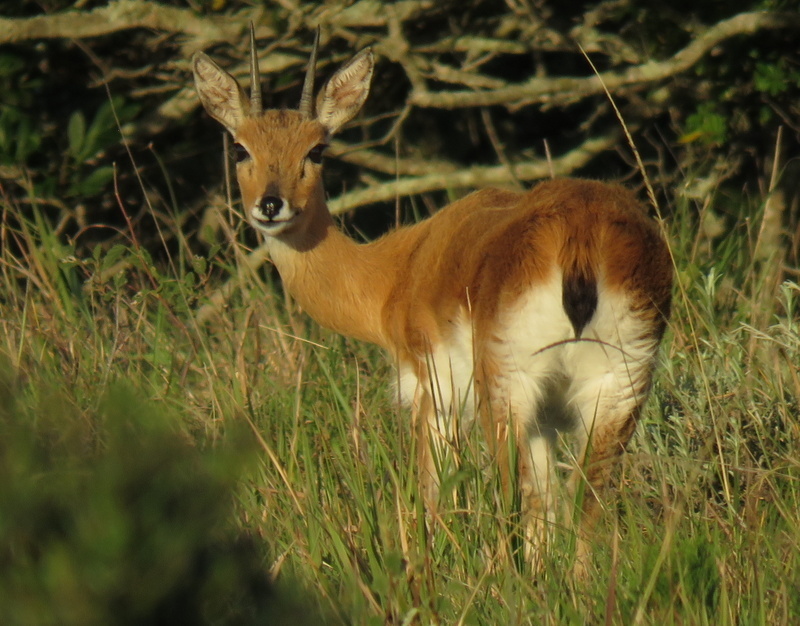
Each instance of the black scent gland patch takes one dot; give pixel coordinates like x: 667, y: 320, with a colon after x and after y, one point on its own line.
x: 579, y: 299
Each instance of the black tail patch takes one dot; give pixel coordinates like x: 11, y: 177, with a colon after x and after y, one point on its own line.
x: 579, y: 298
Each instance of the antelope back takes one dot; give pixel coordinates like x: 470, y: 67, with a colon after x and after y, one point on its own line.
x: 279, y: 152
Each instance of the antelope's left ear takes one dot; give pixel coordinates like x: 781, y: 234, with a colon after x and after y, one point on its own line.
x: 346, y: 92
x: 220, y: 93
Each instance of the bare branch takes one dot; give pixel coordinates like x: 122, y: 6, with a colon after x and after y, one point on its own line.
x: 474, y: 45
x: 380, y: 162
x: 121, y: 15
x: 473, y: 177
x: 372, y: 13
x: 127, y: 14
x: 561, y: 90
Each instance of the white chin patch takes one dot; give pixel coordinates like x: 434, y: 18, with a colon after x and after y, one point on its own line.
x: 272, y: 224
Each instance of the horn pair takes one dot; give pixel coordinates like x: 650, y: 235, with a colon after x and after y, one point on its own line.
x: 306, y: 99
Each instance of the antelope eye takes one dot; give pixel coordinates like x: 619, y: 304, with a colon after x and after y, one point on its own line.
x: 240, y: 153
x: 315, y: 154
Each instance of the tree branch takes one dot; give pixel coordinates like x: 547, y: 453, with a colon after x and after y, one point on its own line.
x: 472, y: 177
x: 372, y: 13
x: 380, y: 162
x: 122, y: 15
x: 564, y: 90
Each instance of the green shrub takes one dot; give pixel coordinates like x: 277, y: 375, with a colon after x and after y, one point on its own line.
x: 117, y: 518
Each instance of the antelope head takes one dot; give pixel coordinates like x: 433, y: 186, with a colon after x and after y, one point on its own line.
x: 279, y: 152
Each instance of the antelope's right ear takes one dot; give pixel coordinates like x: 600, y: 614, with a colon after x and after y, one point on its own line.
x: 219, y: 92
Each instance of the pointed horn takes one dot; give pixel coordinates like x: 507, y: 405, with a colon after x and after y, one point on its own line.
x: 255, y: 78
x: 307, y: 97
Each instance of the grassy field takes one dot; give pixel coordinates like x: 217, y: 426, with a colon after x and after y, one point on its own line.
x: 157, y: 470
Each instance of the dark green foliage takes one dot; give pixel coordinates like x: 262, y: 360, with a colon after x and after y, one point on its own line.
x: 707, y: 124
x: 115, y: 517
x: 87, y: 174
x: 691, y: 571
x: 20, y: 136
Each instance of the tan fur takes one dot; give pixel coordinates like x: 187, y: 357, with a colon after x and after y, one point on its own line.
x: 481, y: 262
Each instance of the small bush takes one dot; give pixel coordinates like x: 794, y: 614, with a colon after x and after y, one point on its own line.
x: 116, y: 518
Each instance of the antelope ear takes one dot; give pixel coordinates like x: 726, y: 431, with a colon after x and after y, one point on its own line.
x: 346, y: 92
x: 219, y: 92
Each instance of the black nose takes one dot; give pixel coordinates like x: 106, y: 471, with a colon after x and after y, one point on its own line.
x: 270, y: 206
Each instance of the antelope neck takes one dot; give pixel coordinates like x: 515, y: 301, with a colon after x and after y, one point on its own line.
x: 340, y: 283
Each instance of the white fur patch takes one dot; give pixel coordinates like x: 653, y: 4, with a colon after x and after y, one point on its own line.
x: 451, y: 367
x: 600, y: 378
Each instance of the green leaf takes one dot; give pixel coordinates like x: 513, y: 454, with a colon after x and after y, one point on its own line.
x: 95, y: 182
x: 774, y: 78
x: 707, y: 124
x: 113, y: 255
x: 101, y: 133
x: 199, y: 264
x: 76, y: 132
x: 10, y: 64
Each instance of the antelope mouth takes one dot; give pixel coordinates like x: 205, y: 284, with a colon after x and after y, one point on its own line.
x: 272, y: 223
x: 272, y: 227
